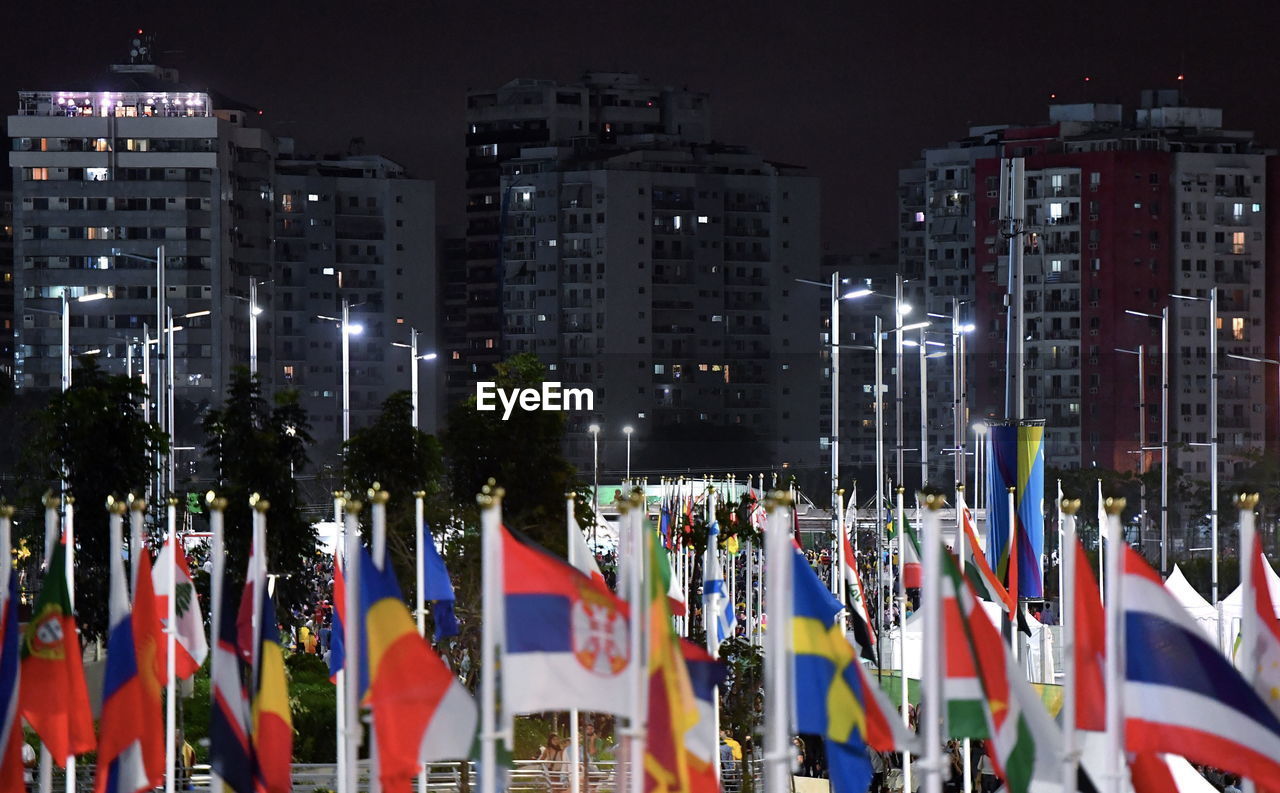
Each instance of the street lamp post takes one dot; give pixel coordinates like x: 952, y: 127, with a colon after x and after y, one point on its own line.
x: 414, y: 357
x: 348, y: 329
x: 627, y: 431
x: 594, y: 429
x: 1142, y: 441
x: 1163, y: 316
x: 1212, y: 300
x: 1274, y: 361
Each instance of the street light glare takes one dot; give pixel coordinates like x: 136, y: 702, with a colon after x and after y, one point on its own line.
x: 430, y: 356
x: 856, y: 293
x: 193, y: 314
x: 91, y: 297
x: 256, y: 310
x: 593, y: 429
x: 627, y: 430
x: 355, y: 330
x: 94, y: 351
x: 904, y: 309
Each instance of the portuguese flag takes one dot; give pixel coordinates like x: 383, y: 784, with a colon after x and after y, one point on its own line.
x: 54, y: 698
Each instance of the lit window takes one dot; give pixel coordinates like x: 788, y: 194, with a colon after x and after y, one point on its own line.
x: 488, y: 344
x: 288, y: 371
x: 457, y: 356
x: 919, y: 217
x: 1055, y: 210
x: 675, y: 222
x: 1237, y: 328
x: 703, y: 219
x: 659, y: 368
x: 1237, y: 242
x: 38, y: 174
x: 95, y: 174
x: 399, y: 320
x: 313, y: 197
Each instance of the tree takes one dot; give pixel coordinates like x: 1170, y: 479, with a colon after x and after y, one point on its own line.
x: 256, y: 448
x: 401, y: 459
x: 96, y: 430
x: 522, y: 454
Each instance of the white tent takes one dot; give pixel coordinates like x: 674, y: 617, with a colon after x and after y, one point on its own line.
x: 1233, y: 604
x: 1199, y: 609
x: 1038, y: 671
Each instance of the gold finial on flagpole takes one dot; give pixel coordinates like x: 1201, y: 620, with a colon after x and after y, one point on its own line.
x: 1070, y: 505
x: 1113, y: 506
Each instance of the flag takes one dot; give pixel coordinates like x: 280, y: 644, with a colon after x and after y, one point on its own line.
x: 1020, y: 736
x: 672, y: 709
x: 421, y: 713
x: 53, y: 698
x: 986, y: 584
x: 438, y: 589
x: 229, y: 755
x: 10, y: 672
x: 337, y: 653
x: 192, y: 647
x: 131, y: 754
x: 701, y: 742
x: 863, y: 629
x: 716, y: 604
x: 565, y: 640
x: 1166, y: 773
x: 1090, y: 647
x: 830, y: 699
x: 580, y: 555
x: 1181, y: 695
x: 1030, y: 508
x: 912, y: 571
x: 272, y: 722
x: 1264, y: 656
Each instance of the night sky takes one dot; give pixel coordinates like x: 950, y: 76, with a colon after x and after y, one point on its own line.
x: 850, y: 90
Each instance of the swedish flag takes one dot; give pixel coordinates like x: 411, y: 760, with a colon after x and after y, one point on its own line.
x: 830, y: 700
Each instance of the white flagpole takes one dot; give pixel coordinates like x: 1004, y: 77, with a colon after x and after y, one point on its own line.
x: 1115, y: 650
x: 632, y: 515
x: 1102, y: 550
x: 778, y: 694
x: 490, y: 500
x: 1246, y: 661
x: 171, y: 650
x: 901, y: 524
x: 378, y: 499
x: 70, y: 567
x: 1067, y: 600
x: 931, y: 683
x: 575, y: 755
x: 217, y: 551
x: 419, y: 599
x: 1015, y: 640
x: 351, y: 660
x: 961, y: 539
x: 711, y: 621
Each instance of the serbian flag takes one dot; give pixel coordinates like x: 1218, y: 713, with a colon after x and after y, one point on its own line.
x: 1180, y: 694
x: 10, y: 672
x: 131, y: 732
x: 565, y: 638
x: 701, y: 742
x: 272, y: 723
x: 1090, y: 647
x: 192, y: 646
x: 421, y: 713
x: 53, y: 697
x: 337, y: 652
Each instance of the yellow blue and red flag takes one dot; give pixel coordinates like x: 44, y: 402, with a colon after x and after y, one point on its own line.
x: 421, y: 713
x: 272, y: 722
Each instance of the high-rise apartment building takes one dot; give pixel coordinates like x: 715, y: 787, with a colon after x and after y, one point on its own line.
x: 107, y: 174
x: 1122, y: 209
x: 353, y: 228
x: 602, y: 106
x: 6, y: 285
x: 663, y: 277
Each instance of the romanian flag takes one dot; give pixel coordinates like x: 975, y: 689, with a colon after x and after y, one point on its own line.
x: 131, y: 740
x: 53, y: 698
x: 272, y: 724
x: 673, y: 710
x: 421, y: 713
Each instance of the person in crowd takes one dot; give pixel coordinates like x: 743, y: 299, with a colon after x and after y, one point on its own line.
x: 552, y: 758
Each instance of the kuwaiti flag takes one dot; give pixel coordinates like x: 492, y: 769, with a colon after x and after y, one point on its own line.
x: 10, y: 673
x: 715, y: 593
x: 421, y: 713
x: 863, y: 630
x: 438, y: 589
x: 1181, y: 695
x: 565, y: 642
x: 130, y: 733
x: 701, y: 742
x: 229, y: 754
x: 272, y: 736
x: 192, y: 646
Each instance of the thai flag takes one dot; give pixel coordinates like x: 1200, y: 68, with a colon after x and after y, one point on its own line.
x: 1181, y: 695
x: 131, y: 735
x: 10, y: 672
x: 715, y: 594
x: 565, y: 640
x: 229, y: 754
x: 701, y: 741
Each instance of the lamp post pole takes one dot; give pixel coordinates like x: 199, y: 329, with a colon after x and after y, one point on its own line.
x: 1212, y: 300
x: 627, y: 431
x: 346, y: 371
x: 253, y: 326
x: 835, y: 404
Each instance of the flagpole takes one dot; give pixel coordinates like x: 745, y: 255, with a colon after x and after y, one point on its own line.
x: 961, y: 506
x: 934, y: 645
x: 1247, y: 661
x: 70, y: 572
x: 216, y: 528
x: 900, y: 527
x: 575, y: 756
x: 171, y: 686
x: 632, y: 515
x: 1115, y: 651
x: 490, y: 501
x: 419, y: 600
x: 1102, y: 534
x: 340, y: 679
x: 351, y: 641
x: 711, y: 620
x: 1067, y: 598
x: 378, y: 499
x: 1012, y: 577
x: 778, y: 695
x: 51, y: 505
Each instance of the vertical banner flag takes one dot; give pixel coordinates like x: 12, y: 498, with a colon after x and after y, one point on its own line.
x: 1002, y: 474
x: 192, y: 647
x: 1030, y: 499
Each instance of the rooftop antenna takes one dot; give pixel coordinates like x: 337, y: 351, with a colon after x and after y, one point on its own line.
x: 141, y: 47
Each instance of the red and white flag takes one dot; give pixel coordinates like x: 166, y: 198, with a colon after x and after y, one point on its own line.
x: 193, y: 646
